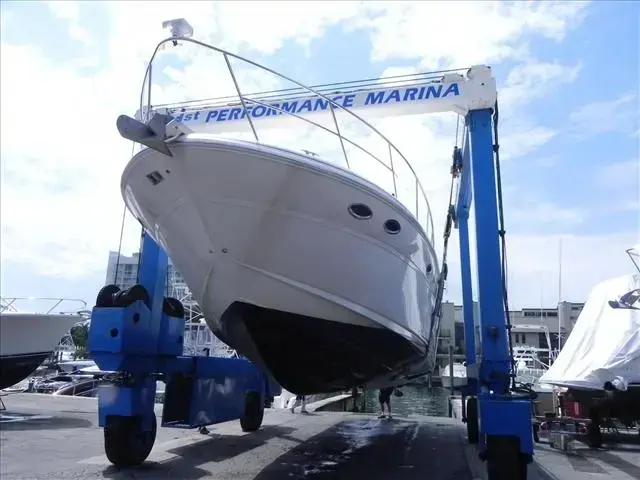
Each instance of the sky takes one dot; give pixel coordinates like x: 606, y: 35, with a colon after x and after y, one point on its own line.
x: 567, y: 74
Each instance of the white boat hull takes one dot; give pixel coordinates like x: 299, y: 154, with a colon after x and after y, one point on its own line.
x: 279, y: 266
x: 26, y: 340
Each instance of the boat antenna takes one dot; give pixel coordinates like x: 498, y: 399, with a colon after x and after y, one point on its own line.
x: 634, y: 252
x: 559, y: 294
x: 178, y: 27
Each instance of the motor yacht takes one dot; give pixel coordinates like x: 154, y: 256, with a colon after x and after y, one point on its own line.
x: 27, y: 338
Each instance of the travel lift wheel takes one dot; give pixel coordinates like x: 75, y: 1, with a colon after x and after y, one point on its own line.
x: 126, y: 442
x: 106, y: 296
x: 112, y: 296
x: 251, y: 419
x: 127, y: 297
x: 173, y: 307
x: 504, y: 459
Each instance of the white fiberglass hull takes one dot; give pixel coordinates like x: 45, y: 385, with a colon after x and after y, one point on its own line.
x: 26, y: 339
x: 279, y: 266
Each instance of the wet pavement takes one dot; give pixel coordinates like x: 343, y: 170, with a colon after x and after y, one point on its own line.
x: 374, y: 449
x: 47, y: 437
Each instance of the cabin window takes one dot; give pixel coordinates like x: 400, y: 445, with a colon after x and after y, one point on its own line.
x: 360, y: 211
x: 392, y: 226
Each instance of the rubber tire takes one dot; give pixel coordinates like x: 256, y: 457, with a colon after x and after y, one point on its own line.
x: 473, y: 430
x: 173, y: 307
x: 128, y: 297
x: 504, y: 460
x: 251, y: 420
x: 105, y: 297
x: 125, y: 444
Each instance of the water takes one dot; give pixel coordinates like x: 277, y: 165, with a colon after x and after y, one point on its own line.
x: 419, y: 400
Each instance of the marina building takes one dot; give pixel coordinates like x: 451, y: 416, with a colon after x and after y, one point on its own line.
x: 541, y: 328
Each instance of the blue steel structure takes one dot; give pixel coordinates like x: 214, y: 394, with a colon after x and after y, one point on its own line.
x: 138, y: 335
x: 498, y: 418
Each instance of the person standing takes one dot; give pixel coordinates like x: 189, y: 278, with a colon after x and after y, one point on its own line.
x: 301, y: 399
x: 384, y: 397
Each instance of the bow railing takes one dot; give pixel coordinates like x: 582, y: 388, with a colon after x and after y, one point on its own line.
x: 408, y: 189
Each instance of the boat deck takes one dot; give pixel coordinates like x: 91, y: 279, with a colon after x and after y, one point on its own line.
x: 48, y: 437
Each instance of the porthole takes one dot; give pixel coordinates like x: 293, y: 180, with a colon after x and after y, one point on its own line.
x: 360, y: 211
x: 429, y: 268
x: 392, y: 226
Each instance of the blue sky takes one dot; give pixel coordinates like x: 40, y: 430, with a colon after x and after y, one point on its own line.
x: 568, y: 84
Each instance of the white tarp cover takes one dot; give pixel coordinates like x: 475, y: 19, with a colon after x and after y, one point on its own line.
x: 604, y: 345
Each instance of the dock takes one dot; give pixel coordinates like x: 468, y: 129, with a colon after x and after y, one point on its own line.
x: 57, y: 437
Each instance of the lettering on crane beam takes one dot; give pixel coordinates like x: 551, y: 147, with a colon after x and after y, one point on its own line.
x: 301, y: 106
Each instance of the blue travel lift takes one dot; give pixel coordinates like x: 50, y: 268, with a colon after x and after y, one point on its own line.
x: 498, y: 415
x: 138, y: 334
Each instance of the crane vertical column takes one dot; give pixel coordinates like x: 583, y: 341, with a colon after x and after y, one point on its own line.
x: 506, y: 435
x: 462, y: 223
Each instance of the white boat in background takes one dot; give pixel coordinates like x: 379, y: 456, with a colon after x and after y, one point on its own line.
x: 28, y: 338
x: 289, y: 254
x: 603, y: 349
x: 70, y: 366
x: 459, y: 375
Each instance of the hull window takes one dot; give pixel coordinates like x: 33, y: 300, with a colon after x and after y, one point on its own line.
x: 360, y: 211
x: 392, y: 226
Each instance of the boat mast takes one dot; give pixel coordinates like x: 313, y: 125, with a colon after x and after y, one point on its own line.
x: 559, y: 294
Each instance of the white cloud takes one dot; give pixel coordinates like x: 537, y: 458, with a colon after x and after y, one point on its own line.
x: 620, y: 174
x: 534, y: 260
x: 70, y: 12
x: 619, y: 114
x: 272, y: 23
x: 543, y: 214
x: 66, y: 10
x: 521, y: 139
x: 532, y: 80
x: 456, y: 35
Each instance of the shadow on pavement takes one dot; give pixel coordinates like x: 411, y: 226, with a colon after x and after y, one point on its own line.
x: 216, y: 448
x: 28, y: 421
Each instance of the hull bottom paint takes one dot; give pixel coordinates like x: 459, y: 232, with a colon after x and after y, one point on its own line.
x: 310, y: 355
x: 15, y: 368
